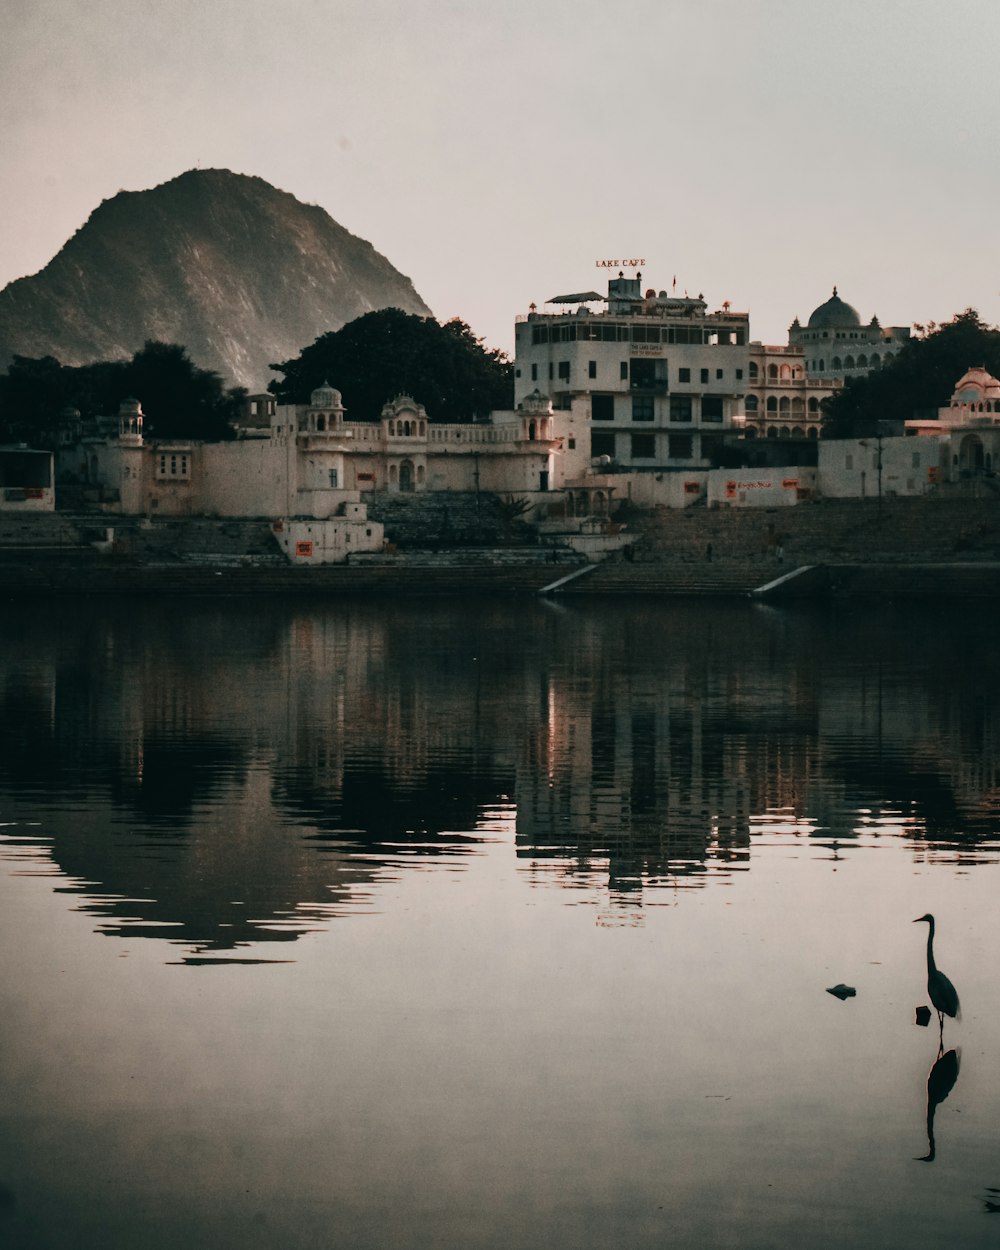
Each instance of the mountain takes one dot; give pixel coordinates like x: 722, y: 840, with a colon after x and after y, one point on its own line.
x: 240, y: 273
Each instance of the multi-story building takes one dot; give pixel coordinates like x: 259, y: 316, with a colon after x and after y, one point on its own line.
x: 782, y: 400
x: 837, y: 346
x: 662, y: 376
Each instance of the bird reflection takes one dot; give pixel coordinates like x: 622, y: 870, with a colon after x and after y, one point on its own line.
x: 942, y: 993
x: 991, y: 1204
x: 940, y: 1082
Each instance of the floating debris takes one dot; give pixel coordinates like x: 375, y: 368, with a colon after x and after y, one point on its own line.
x: 923, y: 1016
x: 842, y: 991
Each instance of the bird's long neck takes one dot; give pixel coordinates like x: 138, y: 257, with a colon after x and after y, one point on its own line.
x: 931, y: 966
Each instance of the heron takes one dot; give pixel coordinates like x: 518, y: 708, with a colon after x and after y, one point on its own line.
x: 942, y: 993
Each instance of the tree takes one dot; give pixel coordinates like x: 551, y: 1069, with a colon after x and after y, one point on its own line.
x: 921, y: 376
x: 388, y: 353
x: 179, y: 399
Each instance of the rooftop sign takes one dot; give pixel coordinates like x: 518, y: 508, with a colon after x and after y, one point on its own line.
x: 619, y: 264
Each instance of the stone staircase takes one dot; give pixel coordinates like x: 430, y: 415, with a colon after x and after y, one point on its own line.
x: 193, y: 540
x: 435, y: 520
x: 831, y: 531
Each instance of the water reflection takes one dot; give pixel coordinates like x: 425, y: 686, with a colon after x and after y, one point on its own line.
x: 226, y: 774
x: 940, y: 1082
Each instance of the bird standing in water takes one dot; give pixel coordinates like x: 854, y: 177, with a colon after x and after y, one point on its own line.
x: 942, y: 993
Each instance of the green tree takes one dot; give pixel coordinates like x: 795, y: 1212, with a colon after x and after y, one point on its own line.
x: 178, y: 399
x: 388, y: 353
x: 921, y: 376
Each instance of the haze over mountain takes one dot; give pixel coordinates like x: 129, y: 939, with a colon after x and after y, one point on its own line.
x: 240, y: 273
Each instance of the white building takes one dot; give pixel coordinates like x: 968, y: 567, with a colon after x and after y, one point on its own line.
x: 971, y: 422
x: 782, y: 400
x: 660, y: 379
x: 309, y: 461
x: 837, y: 346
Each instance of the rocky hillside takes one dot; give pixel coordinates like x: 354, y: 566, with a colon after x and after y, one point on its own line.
x: 240, y: 273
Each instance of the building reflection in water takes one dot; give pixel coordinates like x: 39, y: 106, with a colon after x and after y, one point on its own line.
x: 224, y: 774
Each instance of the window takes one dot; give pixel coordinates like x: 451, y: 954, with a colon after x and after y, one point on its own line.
x: 916, y: 460
x: 643, y: 446
x: 550, y: 370
x: 602, y: 407
x: 591, y: 368
x: 848, y: 462
x: 572, y: 444
x: 173, y: 464
x: 711, y: 408
x: 333, y: 478
x: 718, y: 375
x: 624, y: 371
x: 739, y: 375
x: 534, y: 373
x: 642, y: 407
x: 564, y: 370
x: 704, y: 375
x: 681, y: 446
x: 751, y: 403
x: 680, y: 407
x: 753, y: 371
x: 602, y: 443
x: 683, y: 375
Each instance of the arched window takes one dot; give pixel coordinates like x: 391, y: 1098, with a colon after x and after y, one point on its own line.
x: 848, y: 362
x: 798, y: 432
x: 772, y: 432
x: 835, y: 363
x: 783, y: 404
x: 321, y: 423
x: 751, y: 404
x: 750, y: 432
x: 772, y: 404
x: 813, y: 432
x: 753, y: 371
x: 822, y: 366
x: 783, y: 432
x: 785, y: 372
x: 862, y: 361
x: 875, y: 362
x: 813, y: 404
x: 531, y: 431
x: 772, y: 371
x: 798, y: 404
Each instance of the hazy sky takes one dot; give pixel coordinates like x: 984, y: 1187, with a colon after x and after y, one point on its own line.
x: 759, y: 151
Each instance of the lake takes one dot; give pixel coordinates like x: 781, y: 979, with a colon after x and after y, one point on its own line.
x: 430, y: 924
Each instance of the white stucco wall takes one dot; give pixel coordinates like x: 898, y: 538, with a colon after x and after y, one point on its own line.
x: 848, y: 467
x: 311, y: 542
x: 760, y: 488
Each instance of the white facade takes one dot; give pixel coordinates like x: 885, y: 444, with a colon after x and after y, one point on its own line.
x: 837, y: 346
x: 309, y: 542
x: 311, y: 461
x: 661, y: 378
x: 867, y: 468
x: 781, y: 400
x: 761, y: 488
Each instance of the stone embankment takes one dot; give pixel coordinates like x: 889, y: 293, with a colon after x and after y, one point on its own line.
x: 926, y: 547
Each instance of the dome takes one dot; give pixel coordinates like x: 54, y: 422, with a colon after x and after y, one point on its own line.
x: 975, y: 385
x: 834, y: 315
x: 325, y: 396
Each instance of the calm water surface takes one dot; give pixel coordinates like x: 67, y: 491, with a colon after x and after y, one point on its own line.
x: 430, y: 925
